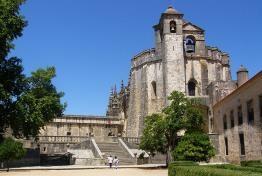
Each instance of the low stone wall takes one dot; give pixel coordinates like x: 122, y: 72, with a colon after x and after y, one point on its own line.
x: 56, y: 159
x: 31, y: 158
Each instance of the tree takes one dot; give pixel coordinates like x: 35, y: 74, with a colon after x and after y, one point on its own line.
x: 12, y: 80
x: 181, y: 115
x: 153, y: 135
x: 38, y: 104
x: 11, y: 25
x: 194, y: 146
x: 11, y: 150
x: 26, y: 104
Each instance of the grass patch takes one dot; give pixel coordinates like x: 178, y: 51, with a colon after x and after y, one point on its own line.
x: 253, y: 163
x: 217, y: 170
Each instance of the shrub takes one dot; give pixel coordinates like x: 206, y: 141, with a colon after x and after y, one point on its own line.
x: 184, y: 163
x: 206, y: 171
x: 252, y: 163
x: 237, y: 168
x: 142, y: 155
x: 11, y: 150
x: 194, y: 146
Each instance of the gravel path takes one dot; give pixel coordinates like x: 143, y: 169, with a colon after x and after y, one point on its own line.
x: 90, y: 172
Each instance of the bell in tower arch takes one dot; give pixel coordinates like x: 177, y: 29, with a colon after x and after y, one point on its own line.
x: 172, y: 27
x: 190, y: 44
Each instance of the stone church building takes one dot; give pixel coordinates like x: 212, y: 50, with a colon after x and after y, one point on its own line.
x: 181, y: 60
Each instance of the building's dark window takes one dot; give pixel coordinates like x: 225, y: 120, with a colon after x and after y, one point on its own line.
x: 242, y: 144
x: 250, y: 112
x: 190, y: 44
x: 232, y: 119
x: 68, y: 133
x: 240, y: 115
x: 154, y: 88
x: 225, y: 121
x: 260, y: 106
x: 226, y: 145
x: 191, y: 88
x: 172, y: 26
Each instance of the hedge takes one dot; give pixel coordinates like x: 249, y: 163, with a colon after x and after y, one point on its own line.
x: 206, y: 171
x: 252, y: 163
x: 184, y: 163
x: 238, y: 168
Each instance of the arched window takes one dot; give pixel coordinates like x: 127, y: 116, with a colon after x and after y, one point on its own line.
x: 172, y: 26
x: 225, y: 121
x: 190, y: 44
x: 154, y: 89
x: 191, y: 88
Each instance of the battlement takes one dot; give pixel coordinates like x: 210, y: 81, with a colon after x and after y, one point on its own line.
x: 143, y: 58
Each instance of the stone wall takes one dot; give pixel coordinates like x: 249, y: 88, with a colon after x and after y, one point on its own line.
x: 83, y: 126
x: 146, y: 69
x: 252, y: 131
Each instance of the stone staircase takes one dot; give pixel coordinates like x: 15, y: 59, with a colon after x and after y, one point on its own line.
x: 114, y: 149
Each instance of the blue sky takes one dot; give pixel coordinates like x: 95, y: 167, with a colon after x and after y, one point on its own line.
x: 91, y: 42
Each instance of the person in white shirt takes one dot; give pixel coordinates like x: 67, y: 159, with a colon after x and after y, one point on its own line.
x: 110, y: 161
x: 116, y: 162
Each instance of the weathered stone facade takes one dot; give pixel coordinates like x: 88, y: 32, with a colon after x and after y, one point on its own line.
x: 89, y: 126
x: 180, y: 61
x: 238, y: 122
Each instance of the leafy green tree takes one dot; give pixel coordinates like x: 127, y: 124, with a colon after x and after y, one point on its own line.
x: 11, y: 25
x: 26, y: 104
x: 11, y: 150
x: 182, y: 114
x: 39, y: 104
x: 153, y: 135
x: 194, y: 146
x: 12, y: 80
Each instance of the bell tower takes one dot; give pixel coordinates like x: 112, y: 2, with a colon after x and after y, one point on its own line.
x: 170, y: 30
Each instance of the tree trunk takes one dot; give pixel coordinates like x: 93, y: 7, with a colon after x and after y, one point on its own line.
x: 7, y: 166
x: 169, y: 155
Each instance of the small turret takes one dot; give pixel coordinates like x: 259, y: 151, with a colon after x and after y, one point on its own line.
x: 242, y: 75
x: 122, y: 86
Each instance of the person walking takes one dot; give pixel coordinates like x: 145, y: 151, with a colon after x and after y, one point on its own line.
x: 116, y: 162
x: 110, y: 161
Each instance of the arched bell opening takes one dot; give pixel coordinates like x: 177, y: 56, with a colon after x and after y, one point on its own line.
x: 172, y: 27
x: 190, y: 44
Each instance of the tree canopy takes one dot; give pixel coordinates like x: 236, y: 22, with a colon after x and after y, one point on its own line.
x: 26, y: 103
x: 38, y: 104
x: 161, y: 132
x: 153, y: 135
x: 11, y: 25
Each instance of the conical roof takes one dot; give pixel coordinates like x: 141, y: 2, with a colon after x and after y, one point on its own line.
x: 242, y: 69
x: 171, y: 10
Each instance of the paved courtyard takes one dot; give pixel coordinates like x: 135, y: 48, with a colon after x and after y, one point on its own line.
x: 89, y: 172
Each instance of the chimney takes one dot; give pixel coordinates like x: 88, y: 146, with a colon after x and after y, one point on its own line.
x: 242, y: 75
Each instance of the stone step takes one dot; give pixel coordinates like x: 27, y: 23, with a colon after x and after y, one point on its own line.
x: 113, y: 149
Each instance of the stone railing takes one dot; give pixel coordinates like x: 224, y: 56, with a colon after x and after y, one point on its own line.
x: 125, y: 147
x: 95, y: 149
x: 203, y: 100
x: 62, y: 139
x: 132, y: 140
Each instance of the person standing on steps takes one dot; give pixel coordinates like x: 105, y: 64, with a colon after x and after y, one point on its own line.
x: 110, y: 161
x: 116, y: 162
